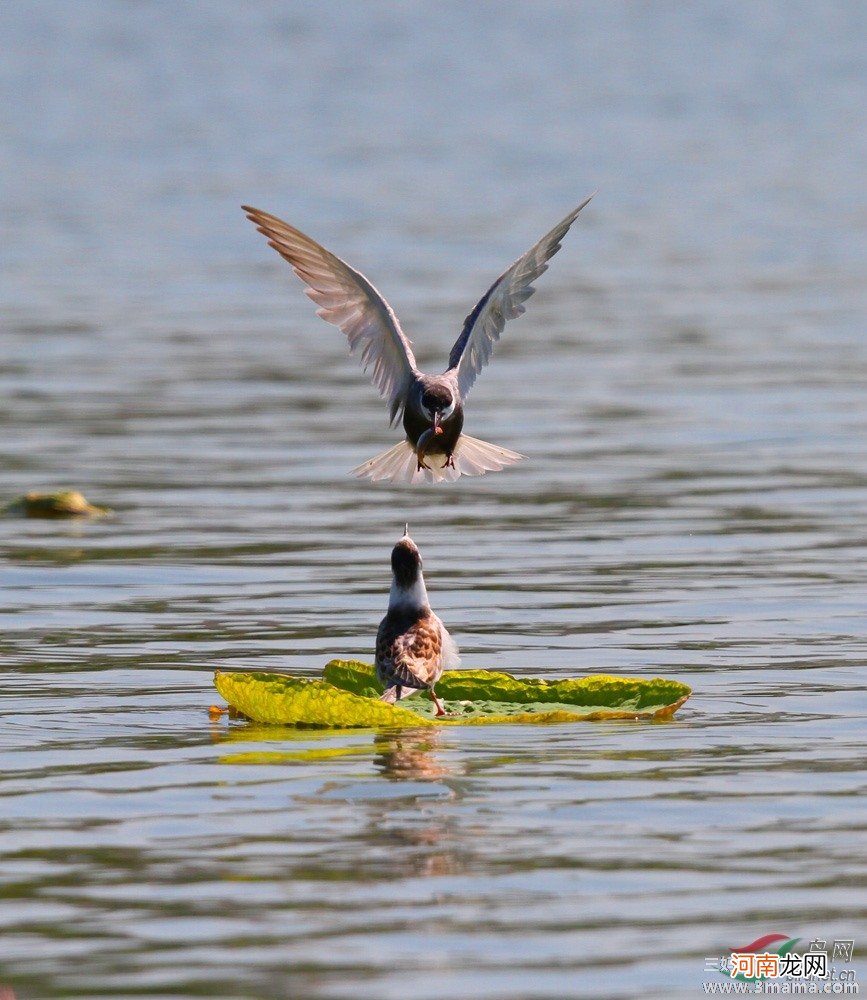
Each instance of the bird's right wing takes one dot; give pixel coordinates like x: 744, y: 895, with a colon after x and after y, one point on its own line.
x: 503, y: 301
x: 348, y: 300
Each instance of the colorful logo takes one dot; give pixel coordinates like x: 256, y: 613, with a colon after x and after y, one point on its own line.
x: 774, y: 955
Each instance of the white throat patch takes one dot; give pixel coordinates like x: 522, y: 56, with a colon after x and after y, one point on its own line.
x: 412, y: 598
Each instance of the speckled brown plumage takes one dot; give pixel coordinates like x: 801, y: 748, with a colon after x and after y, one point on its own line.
x: 409, y: 650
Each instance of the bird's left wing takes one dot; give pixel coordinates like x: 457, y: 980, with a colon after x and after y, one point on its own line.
x: 349, y: 301
x: 503, y: 301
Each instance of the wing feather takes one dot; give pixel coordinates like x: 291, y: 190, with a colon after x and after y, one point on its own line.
x: 503, y: 301
x: 401, y: 672
x: 349, y: 301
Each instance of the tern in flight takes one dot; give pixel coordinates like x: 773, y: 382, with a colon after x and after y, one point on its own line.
x: 432, y: 406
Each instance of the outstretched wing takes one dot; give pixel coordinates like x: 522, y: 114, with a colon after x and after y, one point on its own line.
x: 503, y: 301
x: 348, y: 300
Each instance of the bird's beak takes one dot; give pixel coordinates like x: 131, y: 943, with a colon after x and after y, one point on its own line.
x: 436, y: 422
x: 406, y: 530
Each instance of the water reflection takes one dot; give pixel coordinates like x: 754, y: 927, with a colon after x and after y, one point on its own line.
x: 428, y: 843
x: 411, y: 754
x: 688, y: 386
x: 400, y: 755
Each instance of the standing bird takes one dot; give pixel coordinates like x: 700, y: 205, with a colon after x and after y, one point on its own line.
x: 413, y: 647
x: 432, y: 405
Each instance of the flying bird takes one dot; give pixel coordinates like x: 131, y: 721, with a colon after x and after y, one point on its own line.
x: 432, y: 406
x: 413, y: 647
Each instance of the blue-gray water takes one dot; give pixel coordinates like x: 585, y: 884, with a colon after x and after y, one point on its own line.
x: 688, y: 385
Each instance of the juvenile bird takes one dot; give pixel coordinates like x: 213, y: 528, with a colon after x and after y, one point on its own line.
x: 413, y: 647
x: 432, y: 406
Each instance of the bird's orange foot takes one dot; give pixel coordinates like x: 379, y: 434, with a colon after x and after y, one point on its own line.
x: 440, y: 707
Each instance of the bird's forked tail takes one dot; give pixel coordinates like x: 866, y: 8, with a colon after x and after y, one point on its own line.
x: 472, y: 457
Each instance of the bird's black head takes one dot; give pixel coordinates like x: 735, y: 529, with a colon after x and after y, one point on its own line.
x: 405, y: 563
x: 438, y: 403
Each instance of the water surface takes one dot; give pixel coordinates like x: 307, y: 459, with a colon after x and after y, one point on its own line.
x: 688, y: 386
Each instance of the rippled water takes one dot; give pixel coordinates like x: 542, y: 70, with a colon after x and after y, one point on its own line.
x: 688, y: 386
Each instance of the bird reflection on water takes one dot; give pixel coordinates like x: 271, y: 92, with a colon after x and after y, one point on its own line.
x: 417, y: 755
x: 411, y: 754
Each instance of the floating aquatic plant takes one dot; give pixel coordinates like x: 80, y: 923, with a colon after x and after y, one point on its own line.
x: 348, y: 696
x: 62, y: 503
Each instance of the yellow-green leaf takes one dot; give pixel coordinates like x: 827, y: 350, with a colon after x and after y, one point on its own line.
x: 62, y: 503
x: 285, y: 700
x: 348, y: 697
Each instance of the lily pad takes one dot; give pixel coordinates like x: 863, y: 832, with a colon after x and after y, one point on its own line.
x: 283, y: 700
x: 63, y: 503
x: 348, y: 696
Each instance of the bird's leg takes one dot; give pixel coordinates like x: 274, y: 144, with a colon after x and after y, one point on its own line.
x: 450, y: 462
x: 420, y: 463
x: 440, y: 709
